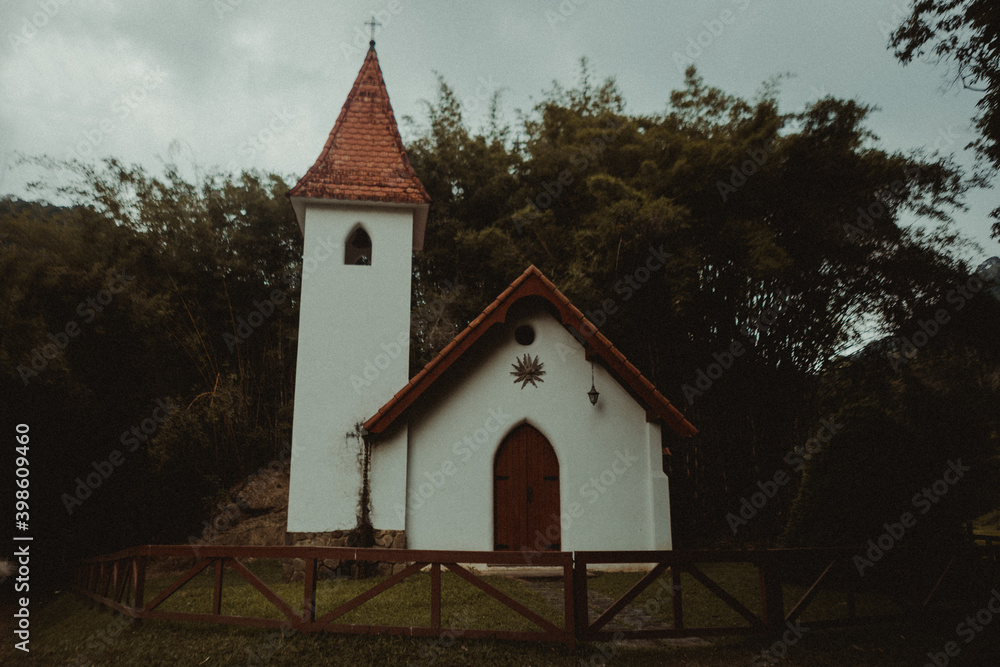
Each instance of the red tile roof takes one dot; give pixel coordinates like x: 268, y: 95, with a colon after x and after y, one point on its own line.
x: 533, y: 283
x: 364, y: 158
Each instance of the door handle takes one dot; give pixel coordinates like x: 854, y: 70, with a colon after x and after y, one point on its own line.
x: 529, y: 494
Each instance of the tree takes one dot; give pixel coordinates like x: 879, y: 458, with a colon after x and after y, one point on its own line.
x: 917, y: 454
x: 966, y: 32
x: 155, y: 318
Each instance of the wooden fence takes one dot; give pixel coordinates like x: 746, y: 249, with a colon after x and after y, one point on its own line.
x: 815, y: 569
x: 118, y: 581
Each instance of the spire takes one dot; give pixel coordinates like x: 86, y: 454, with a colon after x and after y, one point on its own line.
x: 364, y: 158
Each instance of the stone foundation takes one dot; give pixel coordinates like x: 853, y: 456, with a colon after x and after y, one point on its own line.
x: 294, y: 569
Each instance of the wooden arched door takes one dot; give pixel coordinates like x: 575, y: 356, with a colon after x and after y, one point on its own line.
x: 526, y: 493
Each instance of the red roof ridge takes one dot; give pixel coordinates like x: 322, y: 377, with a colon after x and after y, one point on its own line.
x: 364, y: 158
x: 534, y: 282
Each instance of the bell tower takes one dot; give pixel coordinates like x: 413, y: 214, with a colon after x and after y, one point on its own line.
x: 362, y: 211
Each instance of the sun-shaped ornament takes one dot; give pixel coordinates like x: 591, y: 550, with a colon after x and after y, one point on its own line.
x: 528, y: 370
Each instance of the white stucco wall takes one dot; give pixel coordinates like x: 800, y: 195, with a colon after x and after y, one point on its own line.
x: 613, y: 493
x: 353, y: 355
x: 388, y: 480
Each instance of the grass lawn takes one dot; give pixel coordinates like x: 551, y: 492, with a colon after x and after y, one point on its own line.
x: 406, y: 603
x: 67, y: 631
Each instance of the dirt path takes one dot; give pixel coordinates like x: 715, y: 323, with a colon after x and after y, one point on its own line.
x: 631, y: 617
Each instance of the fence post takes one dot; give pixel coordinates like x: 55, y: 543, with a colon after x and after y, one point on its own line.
x: 309, y: 595
x: 569, y: 602
x: 105, y: 581
x: 675, y: 586
x: 581, y: 616
x: 436, y: 596
x: 117, y: 578
x: 139, y: 585
x: 91, y: 585
x: 217, y: 588
x: 772, y: 598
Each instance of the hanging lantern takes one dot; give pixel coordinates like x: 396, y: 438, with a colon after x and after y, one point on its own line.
x: 593, y: 394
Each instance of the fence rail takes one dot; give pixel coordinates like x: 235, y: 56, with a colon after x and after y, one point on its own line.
x: 118, y: 581
x: 825, y: 567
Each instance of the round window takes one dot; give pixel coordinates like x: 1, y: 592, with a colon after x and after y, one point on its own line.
x: 524, y: 335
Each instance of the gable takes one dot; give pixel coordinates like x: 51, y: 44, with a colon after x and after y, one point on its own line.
x: 597, y: 347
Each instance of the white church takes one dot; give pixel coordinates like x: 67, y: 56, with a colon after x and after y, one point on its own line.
x: 529, y: 431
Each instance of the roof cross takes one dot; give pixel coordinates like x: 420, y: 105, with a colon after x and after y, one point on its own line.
x: 373, y: 23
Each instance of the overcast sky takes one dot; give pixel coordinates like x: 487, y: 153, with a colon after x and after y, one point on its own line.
x: 248, y: 83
